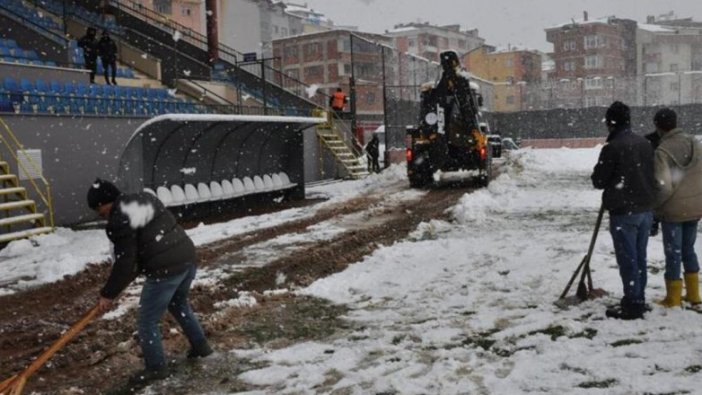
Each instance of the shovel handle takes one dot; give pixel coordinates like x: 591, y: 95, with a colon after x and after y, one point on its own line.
x: 16, y: 383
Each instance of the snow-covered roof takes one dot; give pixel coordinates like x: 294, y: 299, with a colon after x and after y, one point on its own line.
x: 602, y: 20
x: 655, y: 28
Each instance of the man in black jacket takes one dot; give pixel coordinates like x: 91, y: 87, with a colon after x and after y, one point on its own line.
x: 147, y: 240
x: 90, y: 51
x: 107, y: 49
x: 625, y: 171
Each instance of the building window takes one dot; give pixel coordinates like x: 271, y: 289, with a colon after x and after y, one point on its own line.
x: 293, y: 73
x: 591, y: 42
x: 185, y: 11
x: 411, y: 43
x: 290, y: 52
x: 347, y: 69
x: 312, y: 49
x: 314, y: 72
x: 509, y: 63
x: 276, y: 29
x: 566, y: 45
x: 163, y: 6
x: 572, y: 45
x: 370, y: 97
x: 593, y: 83
x: 593, y: 62
x: 510, y: 99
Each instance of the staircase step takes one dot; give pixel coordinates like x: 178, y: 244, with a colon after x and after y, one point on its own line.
x: 20, y: 218
x: 4, y: 238
x: 8, y: 191
x: 17, y: 204
x: 4, y: 166
x: 8, y: 177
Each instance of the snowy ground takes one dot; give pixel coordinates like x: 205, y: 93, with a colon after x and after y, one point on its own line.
x: 467, y: 307
x: 461, y: 307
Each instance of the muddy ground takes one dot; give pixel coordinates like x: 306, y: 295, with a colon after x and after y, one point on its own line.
x: 100, y: 359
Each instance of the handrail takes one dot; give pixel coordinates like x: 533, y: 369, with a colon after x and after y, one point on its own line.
x: 58, y: 38
x: 18, y: 146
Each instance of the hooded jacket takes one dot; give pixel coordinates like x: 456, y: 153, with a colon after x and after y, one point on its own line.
x: 625, y: 171
x: 678, y: 173
x: 147, y: 239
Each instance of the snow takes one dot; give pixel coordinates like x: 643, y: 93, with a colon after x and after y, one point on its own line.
x: 139, y: 214
x: 311, y: 90
x: 463, y: 306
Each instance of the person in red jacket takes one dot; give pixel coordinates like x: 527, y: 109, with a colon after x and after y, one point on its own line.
x: 338, y: 101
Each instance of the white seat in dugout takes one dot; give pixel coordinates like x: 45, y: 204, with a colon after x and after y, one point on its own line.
x: 268, y: 182
x: 227, y: 189
x: 177, y: 194
x: 277, y: 181
x: 204, y: 191
x: 286, y: 180
x: 249, y: 185
x: 216, y: 191
x: 164, y: 195
x: 151, y: 191
x: 258, y: 184
x: 191, y: 195
x: 239, y: 188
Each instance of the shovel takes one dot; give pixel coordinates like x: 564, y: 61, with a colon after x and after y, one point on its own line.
x: 585, y: 288
x: 15, y: 384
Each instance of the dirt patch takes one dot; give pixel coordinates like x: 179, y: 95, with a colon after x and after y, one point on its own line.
x: 33, y: 319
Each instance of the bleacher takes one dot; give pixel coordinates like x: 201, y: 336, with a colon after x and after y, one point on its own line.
x: 33, y: 15
x: 93, y: 18
x: 68, y: 98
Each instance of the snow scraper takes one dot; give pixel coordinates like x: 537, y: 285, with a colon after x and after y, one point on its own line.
x: 585, y: 288
x: 15, y: 384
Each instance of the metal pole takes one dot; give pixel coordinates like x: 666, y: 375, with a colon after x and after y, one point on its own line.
x: 386, y: 162
x: 680, y: 88
x: 352, y: 89
x: 65, y: 27
x: 263, y: 78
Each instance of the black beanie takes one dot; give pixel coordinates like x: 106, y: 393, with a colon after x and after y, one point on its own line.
x: 618, y: 115
x: 666, y: 119
x: 101, y: 192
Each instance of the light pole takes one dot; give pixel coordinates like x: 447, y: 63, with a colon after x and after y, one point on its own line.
x: 352, y: 88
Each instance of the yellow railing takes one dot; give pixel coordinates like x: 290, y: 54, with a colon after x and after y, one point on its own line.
x: 13, y: 145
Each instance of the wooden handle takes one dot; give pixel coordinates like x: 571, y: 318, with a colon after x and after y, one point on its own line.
x: 17, y: 382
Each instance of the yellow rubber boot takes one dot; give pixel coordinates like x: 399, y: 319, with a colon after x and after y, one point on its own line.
x: 692, y: 288
x: 673, y: 297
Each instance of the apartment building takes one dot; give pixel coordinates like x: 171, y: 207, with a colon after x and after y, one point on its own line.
x: 428, y: 41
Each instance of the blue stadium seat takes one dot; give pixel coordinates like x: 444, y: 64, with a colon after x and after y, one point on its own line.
x: 10, y: 84
x: 68, y: 88
x: 50, y: 63
x: 55, y: 87
x: 4, y: 51
x: 41, y: 86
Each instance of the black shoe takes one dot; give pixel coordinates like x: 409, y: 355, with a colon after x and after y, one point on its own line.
x: 143, y: 377
x: 114, y: 82
x: 200, y: 351
x: 624, y: 314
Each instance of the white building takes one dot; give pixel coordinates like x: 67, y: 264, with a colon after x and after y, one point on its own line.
x: 428, y: 41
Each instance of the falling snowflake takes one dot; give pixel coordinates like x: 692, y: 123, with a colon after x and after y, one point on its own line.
x: 177, y: 36
x: 312, y: 90
x: 187, y: 73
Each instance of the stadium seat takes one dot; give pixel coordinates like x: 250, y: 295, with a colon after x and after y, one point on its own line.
x: 204, y: 191
x: 239, y: 188
x: 191, y: 195
x: 227, y: 189
x: 258, y: 184
x: 268, y: 183
x: 249, y: 185
x: 177, y: 194
x: 216, y: 190
x: 164, y: 195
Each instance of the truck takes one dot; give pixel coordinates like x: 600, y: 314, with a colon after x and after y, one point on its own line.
x: 448, y: 137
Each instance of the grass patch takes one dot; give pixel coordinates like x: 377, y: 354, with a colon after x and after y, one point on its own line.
x: 598, y: 384
x: 554, y: 331
x: 693, y: 368
x: 626, y: 342
x: 588, y: 333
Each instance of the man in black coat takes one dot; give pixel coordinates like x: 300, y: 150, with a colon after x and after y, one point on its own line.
x: 108, y: 54
x: 373, y: 153
x: 90, y: 51
x: 625, y: 171
x: 147, y: 240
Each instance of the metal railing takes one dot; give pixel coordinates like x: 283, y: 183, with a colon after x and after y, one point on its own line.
x: 13, y: 146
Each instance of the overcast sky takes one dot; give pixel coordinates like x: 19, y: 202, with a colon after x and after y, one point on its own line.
x: 501, y: 22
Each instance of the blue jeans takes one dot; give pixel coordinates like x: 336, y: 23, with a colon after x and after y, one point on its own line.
x: 679, y: 246
x: 157, y: 296
x: 630, y: 236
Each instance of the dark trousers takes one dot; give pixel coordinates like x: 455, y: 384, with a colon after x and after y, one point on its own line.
x: 108, y: 64
x: 630, y: 236
x: 91, y: 64
x: 679, y: 246
x: 157, y: 296
x: 373, y: 165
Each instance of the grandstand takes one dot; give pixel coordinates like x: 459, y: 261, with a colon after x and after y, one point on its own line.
x: 59, y: 131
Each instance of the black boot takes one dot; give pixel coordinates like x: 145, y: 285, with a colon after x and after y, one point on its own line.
x: 627, y: 311
x: 200, y: 351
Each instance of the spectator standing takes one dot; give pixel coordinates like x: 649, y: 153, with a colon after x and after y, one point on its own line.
x: 625, y: 171
x: 108, y: 54
x: 89, y: 45
x: 373, y: 154
x: 147, y: 240
x: 678, y: 172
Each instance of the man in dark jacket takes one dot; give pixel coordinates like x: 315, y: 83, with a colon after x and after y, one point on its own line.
x: 625, y: 171
x: 108, y: 54
x: 147, y: 240
x: 90, y: 51
x: 372, y: 150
